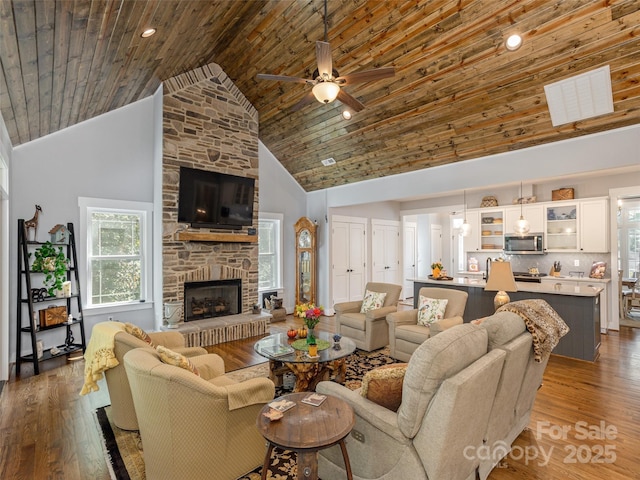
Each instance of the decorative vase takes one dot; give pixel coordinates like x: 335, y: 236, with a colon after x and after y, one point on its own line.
x: 311, y: 338
x: 436, y: 273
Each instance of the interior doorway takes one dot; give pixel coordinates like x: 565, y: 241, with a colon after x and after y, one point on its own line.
x: 628, y: 247
x: 618, y: 197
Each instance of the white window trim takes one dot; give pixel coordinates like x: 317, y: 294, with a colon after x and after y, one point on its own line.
x: 276, y: 216
x: 86, y: 203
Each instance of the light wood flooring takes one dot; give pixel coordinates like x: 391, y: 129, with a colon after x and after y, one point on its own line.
x: 47, y: 431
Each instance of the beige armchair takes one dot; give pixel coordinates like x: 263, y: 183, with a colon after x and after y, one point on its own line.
x: 447, y: 395
x: 405, y: 335
x: 122, y: 409
x: 195, y: 428
x: 368, y: 330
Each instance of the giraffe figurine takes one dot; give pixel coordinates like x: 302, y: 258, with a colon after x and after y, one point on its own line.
x: 33, y: 223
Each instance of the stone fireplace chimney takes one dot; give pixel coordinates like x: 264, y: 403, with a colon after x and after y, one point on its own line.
x: 209, y: 125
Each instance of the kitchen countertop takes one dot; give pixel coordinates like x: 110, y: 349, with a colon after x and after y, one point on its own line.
x: 543, y: 287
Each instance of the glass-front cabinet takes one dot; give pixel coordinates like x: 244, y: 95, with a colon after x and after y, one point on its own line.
x: 492, y: 229
x: 306, y: 273
x: 562, y: 226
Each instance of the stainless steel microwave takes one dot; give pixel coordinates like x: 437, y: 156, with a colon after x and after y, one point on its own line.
x: 527, y: 244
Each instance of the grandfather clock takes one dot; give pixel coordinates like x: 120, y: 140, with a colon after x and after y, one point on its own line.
x: 305, y: 261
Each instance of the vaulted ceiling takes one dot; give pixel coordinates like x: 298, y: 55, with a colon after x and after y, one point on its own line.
x: 457, y: 93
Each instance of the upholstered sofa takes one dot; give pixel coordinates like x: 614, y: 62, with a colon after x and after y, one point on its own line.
x: 465, y: 390
x: 192, y: 427
x: 368, y: 330
x: 122, y: 409
x: 405, y: 334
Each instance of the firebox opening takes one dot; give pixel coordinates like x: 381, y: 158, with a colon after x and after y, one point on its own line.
x: 214, y: 298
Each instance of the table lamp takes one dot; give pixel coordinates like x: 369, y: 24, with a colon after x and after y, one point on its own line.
x: 501, y: 280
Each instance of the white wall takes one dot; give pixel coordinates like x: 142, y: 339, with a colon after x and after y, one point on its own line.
x: 278, y: 192
x: 110, y: 156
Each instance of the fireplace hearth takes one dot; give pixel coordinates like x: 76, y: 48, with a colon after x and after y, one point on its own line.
x: 213, y: 298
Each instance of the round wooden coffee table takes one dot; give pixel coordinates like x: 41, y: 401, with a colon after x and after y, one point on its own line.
x: 305, y: 429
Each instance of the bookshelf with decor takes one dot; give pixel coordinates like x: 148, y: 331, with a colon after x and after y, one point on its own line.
x: 54, y: 266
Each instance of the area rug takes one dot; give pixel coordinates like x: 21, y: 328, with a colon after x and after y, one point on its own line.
x: 631, y: 320
x: 123, y: 449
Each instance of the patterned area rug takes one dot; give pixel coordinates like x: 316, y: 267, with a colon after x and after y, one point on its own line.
x: 123, y: 449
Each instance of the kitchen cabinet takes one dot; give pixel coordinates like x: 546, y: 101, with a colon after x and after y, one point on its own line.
x: 577, y: 226
x: 561, y: 226
x: 532, y: 212
x: 593, y: 225
x: 492, y: 229
x: 487, y: 230
x: 472, y: 241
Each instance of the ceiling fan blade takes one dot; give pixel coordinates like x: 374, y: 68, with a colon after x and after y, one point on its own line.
x: 350, y: 101
x: 323, y: 55
x: 303, y: 102
x: 366, y: 76
x: 281, y: 78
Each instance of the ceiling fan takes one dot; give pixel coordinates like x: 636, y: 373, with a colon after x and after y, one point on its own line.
x: 326, y: 82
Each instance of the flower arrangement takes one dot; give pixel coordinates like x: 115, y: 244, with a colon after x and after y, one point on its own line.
x: 309, y: 313
x: 437, y: 265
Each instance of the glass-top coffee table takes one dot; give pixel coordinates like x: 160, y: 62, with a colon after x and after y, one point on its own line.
x: 330, y: 363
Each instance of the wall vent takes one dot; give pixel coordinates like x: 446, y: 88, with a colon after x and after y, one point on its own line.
x: 583, y: 96
x: 328, y: 161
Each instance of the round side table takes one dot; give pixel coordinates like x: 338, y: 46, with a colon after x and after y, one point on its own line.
x: 306, y: 429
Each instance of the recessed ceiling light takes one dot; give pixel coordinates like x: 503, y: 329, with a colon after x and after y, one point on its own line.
x: 148, y: 32
x: 513, y: 42
x: 346, y: 114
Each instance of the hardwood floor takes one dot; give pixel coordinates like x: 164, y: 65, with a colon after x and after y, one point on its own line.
x: 47, y: 431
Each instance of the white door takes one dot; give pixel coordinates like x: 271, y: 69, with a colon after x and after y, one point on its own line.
x: 408, y: 258
x: 348, y: 250
x: 357, y: 261
x: 385, y: 251
x: 340, y: 255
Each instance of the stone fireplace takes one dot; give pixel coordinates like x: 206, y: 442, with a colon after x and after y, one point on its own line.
x: 210, y: 299
x: 209, y: 125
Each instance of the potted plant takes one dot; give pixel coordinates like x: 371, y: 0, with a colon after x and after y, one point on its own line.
x: 51, y: 261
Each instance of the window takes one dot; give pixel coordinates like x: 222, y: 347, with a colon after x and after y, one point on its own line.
x: 117, y: 251
x: 269, y: 251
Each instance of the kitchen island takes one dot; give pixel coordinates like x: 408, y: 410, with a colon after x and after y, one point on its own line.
x: 578, y: 305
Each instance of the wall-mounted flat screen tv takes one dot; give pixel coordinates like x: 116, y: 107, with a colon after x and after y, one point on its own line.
x: 215, y: 200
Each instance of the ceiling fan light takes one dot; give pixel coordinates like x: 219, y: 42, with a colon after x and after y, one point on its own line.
x: 326, y: 92
x: 522, y: 226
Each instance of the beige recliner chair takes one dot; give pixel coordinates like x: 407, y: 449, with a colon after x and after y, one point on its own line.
x: 405, y: 335
x: 195, y: 428
x: 447, y: 394
x: 369, y: 330
x: 122, y: 409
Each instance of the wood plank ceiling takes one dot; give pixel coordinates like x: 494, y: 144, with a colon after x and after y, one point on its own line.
x: 458, y: 94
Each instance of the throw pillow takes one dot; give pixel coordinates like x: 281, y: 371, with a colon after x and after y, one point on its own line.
x: 431, y: 310
x: 137, y: 332
x: 383, y: 385
x: 173, y: 358
x: 372, y: 301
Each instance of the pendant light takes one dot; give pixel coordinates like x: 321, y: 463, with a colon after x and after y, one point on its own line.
x: 465, y: 229
x: 522, y: 226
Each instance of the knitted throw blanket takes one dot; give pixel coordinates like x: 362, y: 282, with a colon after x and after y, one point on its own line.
x: 542, y: 321
x: 99, y: 355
